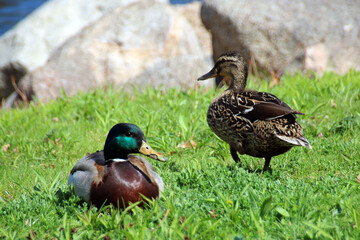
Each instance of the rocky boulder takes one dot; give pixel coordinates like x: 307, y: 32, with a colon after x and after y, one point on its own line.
x: 30, y: 43
x: 191, y: 12
x: 285, y: 35
x: 144, y: 43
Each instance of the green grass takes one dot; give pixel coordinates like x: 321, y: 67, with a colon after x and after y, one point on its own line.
x: 311, y: 194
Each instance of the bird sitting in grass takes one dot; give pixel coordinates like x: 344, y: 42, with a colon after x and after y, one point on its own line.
x: 254, y: 123
x: 112, y: 176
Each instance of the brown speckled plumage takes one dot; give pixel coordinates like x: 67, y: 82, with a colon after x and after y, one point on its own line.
x: 253, y: 123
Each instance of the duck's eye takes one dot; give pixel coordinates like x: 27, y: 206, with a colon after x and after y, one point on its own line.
x: 129, y: 134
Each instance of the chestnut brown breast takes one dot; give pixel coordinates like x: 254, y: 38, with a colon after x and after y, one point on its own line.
x: 121, y: 184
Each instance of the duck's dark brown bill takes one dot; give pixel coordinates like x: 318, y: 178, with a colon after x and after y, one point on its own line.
x: 210, y: 74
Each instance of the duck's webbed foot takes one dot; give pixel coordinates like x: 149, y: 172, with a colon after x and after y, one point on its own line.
x: 267, y: 164
x: 234, y: 154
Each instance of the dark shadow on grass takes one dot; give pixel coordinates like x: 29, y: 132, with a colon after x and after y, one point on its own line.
x: 65, y: 197
x: 270, y: 174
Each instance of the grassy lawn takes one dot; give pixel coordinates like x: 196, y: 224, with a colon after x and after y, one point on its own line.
x: 311, y: 194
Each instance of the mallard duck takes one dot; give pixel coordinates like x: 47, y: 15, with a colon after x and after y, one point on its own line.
x: 254, y: 123
x: 112, y: 176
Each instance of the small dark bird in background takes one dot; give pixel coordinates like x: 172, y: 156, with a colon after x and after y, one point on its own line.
x: 254, y: 123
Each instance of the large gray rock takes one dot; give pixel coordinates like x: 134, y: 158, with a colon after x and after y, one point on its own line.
x: 30, y: 43
x: 170, y: 73
x: 145, y: 40
x: 191, y: 12
x: 286, y: 35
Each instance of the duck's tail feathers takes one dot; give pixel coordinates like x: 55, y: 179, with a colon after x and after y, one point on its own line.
x: 297, y: 141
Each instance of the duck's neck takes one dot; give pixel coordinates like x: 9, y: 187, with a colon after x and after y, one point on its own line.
x: 111, y: 155
x: 238, y: 81
x: 117, y: 160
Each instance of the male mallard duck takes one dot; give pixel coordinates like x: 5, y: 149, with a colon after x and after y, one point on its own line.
x: 112, y: 175
x: 253, y: 123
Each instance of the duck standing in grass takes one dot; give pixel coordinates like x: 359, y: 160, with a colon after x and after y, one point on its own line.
x: 112, y: 176
x: 253, y: 123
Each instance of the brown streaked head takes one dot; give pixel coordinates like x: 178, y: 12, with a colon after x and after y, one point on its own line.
x: 233, y: 70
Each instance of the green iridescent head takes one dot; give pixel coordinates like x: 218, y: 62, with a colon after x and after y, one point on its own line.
x: 126, y: 138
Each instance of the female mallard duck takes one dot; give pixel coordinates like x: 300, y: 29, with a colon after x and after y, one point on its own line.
x: 112, y: 176
x: 253, y: 123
